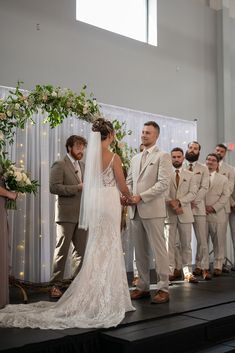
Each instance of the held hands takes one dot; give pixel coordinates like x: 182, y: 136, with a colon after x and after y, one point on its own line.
x: 175, y: 206
x: 209, y: 210
x: 130, y: 200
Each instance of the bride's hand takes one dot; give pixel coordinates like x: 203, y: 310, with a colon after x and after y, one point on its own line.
x: 12, y: 195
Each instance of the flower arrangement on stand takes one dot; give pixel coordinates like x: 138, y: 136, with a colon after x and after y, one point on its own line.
x: 18, y: 180
x: 120, y: 147
x: 125, y: 153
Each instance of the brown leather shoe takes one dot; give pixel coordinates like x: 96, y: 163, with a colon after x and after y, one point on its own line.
x: 197, y: 271
x: 206, y: 275
x: 161, y: 297
x: 55, y: 292
x: 190, y: 278
x: 135, y: 281
x: 139, y: 294
x: 177, y: 273
x: 217, y: 272
x: 172, y: 278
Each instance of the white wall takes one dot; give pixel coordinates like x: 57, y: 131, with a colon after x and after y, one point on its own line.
x: 177, y: 78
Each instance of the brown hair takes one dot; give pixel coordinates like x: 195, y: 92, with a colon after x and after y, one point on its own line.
x: 75, y: 139
x: 154, y: 124
x: 105, y: 127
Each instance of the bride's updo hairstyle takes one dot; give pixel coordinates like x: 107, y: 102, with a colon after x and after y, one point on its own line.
x: 105, y: 127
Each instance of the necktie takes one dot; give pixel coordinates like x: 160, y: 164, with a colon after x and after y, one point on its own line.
x: 190, y: 168
x: 78, y: 170
x: 177, y: 177
x: 143, y: 159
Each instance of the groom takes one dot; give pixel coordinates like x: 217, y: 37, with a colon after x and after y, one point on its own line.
x: 148, y: 179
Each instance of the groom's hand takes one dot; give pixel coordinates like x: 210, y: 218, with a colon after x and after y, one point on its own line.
x: 136, y: 199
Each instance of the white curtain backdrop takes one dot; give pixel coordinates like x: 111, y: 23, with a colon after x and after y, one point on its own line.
x: 37, y: 147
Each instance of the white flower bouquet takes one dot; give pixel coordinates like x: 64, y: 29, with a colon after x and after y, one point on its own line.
x: 17, y: 179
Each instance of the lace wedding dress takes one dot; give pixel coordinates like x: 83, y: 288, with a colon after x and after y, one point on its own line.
x: 99, y: 295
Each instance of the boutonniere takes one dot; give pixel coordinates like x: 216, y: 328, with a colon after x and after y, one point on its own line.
x: 184, y: 179
x: 151, y: 163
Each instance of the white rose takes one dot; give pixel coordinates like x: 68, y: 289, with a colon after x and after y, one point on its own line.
x: 24, y: 177
x: 54, y: 94
x: 85, y: 109
x: 17, y: 106
x: 18, y: 176
x: 9, y: 113
x: 28, y: 182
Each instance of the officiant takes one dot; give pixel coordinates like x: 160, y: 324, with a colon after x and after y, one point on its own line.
x: 66, y: 182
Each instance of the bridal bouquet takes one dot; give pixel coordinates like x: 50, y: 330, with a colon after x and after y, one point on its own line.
x: 17, y: 179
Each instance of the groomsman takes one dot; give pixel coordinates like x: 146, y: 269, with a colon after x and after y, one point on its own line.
x: 232, y: 224
x: 201, y: 175
x: 182, y: 192
x: 216, y: 199
x: 228, y: 171
x: 66, y: 180
x: 148, y: 179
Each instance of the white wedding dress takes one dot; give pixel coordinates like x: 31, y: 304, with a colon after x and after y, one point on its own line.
x: 99, y: 295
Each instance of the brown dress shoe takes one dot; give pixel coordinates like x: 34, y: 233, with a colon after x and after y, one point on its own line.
x: 217, y: 272
x: 135, y: 281
x: 206, y: 275
x: 55, y: 292
x: 190, y: 278
x: 172, y: 278
x: 139, y: 294
x: 161, y: 297
x: 197, y: 271
x: 177, y: 273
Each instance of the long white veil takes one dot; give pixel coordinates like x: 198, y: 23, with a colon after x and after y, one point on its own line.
x: 91, y: 201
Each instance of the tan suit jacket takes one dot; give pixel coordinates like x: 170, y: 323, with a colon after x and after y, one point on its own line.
x: 217, y: 197
x: 64, y: 183
x: 228, y: 171
x: 151, y: 183
x: 201, y: 174
x: 185, y: 193
x: 232, y: 197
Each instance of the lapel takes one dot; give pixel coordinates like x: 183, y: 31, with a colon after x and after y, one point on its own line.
x: 148, y: 161
x: 82, y: 169
x: 70, y: 168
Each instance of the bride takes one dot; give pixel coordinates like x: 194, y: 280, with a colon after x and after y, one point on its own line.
x: 99, y: 295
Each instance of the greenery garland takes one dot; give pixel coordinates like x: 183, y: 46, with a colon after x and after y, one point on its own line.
x: 58, y: 103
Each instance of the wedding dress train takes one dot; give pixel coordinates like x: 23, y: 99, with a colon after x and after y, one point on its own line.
x: 99, y: 295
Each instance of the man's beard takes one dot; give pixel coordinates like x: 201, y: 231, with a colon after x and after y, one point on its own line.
x: 191, y: 157
x: 219, y: 156
x: 177, y: 164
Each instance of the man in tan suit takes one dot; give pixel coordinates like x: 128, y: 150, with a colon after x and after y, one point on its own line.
x: 182, y: 192
x: 66, y: 182
x: 228, y: 171
x: 201, y: 174
x: 148, y: 179
x: 216, y: 200
x: 232, y: 224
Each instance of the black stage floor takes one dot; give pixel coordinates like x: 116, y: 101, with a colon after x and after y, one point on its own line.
x: 199, y: 318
